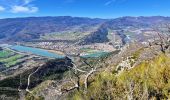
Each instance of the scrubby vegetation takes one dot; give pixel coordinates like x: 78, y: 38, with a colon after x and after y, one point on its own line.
x: 148, y: 80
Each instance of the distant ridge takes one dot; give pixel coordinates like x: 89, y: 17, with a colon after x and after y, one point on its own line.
x: 29, y: 28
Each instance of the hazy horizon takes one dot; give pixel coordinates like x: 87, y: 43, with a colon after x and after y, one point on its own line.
x: 81, y: 17
x: 105, y: 9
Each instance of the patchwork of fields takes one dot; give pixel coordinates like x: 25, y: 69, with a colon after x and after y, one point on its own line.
x: 9, y: 58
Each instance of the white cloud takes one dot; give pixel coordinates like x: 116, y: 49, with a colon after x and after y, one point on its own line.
x: 18, y: 6
x: 25, y: 2
x: 109, y: 2
x: 24, y: 9
x: 2, y: 8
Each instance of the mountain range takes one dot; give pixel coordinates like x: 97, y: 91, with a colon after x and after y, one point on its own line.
x: 23, y: 29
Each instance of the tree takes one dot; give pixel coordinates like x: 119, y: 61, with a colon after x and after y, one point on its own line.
x: 163, y: 37
x: 77, y: 62
x: 78, y: 72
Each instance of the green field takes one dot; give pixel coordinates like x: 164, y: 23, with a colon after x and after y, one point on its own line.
x: 92, y: 53
x: 95, y: 54
x: 5, y: 53
x: 65, y: 35
x: 9, y: 58
x: 87, y: 50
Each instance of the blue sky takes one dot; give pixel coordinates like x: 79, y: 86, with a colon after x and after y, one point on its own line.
x: 84, y: 8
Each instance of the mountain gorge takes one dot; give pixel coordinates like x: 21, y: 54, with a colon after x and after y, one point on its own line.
x: 74, y: 58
